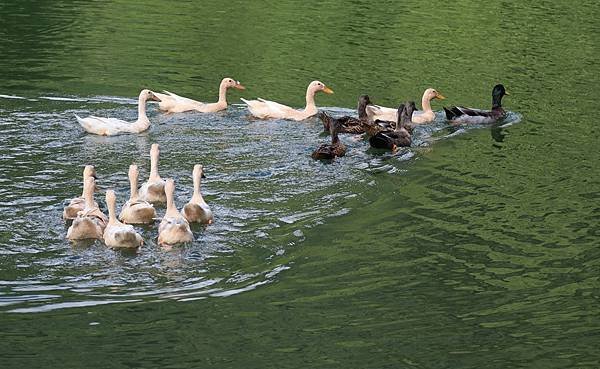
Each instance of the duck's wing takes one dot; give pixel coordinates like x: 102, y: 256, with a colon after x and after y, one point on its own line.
x: 468, y: 115
x: 375, y: 112
x: 181, y: 99
x: 277, y: 109
x: 101, y: 125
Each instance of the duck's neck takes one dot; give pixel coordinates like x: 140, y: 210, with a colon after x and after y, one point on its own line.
x: 197, y: 196
x: 311, y: 107
x: 222, y: 95
x: 496, y: 102
x: 426, y: 103
x: 171, y: 208
x: 112, y: 218
x: 133, y: 182
x: 154, y: 176
x: 362, y: 111
x: 88, y: 196
x: 142, y: 108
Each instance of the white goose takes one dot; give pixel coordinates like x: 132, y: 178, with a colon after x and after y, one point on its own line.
x: 136, y: 211
x: 113, y: 126
x: 78, y: 203
x: 197, y: 210
x: 153, y: 190
x: 172, y: 103
x: 117, y: 234
x: 376, y: 112
x: 90, y: 222
x: 173, y: 228
x: 265, y: 109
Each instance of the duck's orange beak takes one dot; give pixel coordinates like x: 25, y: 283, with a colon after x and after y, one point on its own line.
x: 239, y: 86
x: 439, y: 96
x: 327, y: 90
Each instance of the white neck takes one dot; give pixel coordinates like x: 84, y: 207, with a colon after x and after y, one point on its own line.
x: 171, y: 208
x: 88, y: 195
x: 426, y: 103
x: 112, y: 218
x: 310, y: 101
x: 222, y: 94
x: 133, y: 182
x: 197, y: 197
x: 154, y: 167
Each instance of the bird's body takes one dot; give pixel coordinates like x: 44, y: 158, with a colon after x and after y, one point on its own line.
x: 173, y: 228
x: 399, y: 137
x: 135, y: 210
x: 116, y: 234
x: 113, y: 126
x: 197, y: 210
x: 77, y: 204
x: 90, y: 222
x: 172, y: 103
x: 335, y: 149
x: 462, y: 115
x: 266, y: 109
x: 427, y: 115
x: 348, y: 124
x: 153, y: 190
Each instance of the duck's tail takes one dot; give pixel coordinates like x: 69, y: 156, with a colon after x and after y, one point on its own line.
x: 449, y: 114
x: 326, y: 119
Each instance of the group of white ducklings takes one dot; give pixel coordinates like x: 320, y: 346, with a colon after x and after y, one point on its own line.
x: 89, y: 222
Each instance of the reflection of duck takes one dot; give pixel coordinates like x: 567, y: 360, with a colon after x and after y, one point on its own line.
x: 459, y: 114
x: 348, y: 124
x: 153, y: 190
x: 172, y: 103
x: 78, y: 204
x: 265, y: 109
x: 376, y: 112
x: 90, y: 222
x: 113, y: 126
x: 335, y: 149
x: 398, y: 137
x: 173, y: 228
x: 197, y: 210
x: 136, y: 211
x: 117, y: 234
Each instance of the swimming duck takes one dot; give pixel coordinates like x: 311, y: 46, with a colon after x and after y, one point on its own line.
x: 376, y: 112
x: 335, y: 149
x: 136, y: 211
x: 265, y: 109
x: 197, y: 210
x: 172, y: 103
x: 153, y: 190
x: 348, y: 124
x: 78, y: 203
x: 459, y: 114
x: 117, y: 234
x: 398, y: 137
x: 90, y: 222
x: 114, y: 126
x: 173, y: 228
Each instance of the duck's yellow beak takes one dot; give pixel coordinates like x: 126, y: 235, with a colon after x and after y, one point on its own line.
x: 327, y: 90
x: 440, y: 96
x: 506, y: 92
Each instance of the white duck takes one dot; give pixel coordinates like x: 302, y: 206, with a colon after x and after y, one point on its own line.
x: 197, y: 210
x: 78, y: 203
x: 172, y: 103
x: 136, y: 211
x: 117, y: 234
x: 265, y: 109
x: 173, y: 228
x: 153, y: 190
x: 113, y: 126
x: 376, y: 112
x: 90, y: 222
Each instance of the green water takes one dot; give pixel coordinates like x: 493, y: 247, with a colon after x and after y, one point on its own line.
x: 479, y: 248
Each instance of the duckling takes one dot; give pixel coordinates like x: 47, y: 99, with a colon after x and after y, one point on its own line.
x: 398, y: 137
x: 90, y: 222
x: 136, y: 211
x: 173, y: 228
x: 336, y: 148
x: 349, y: 124
x: 117, y: 234
x: 197, y: 210
x: 153, y: 190
x: 459, y: 114
x: 78, y: 203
